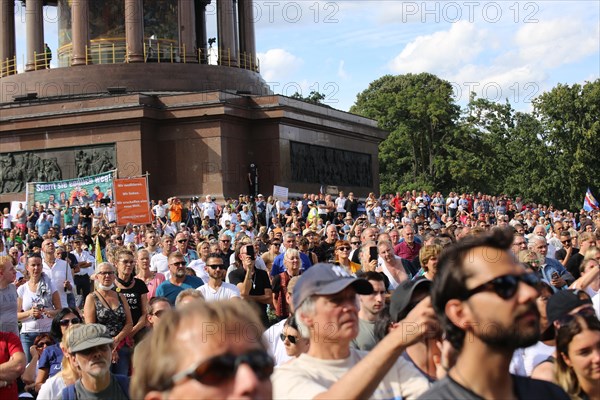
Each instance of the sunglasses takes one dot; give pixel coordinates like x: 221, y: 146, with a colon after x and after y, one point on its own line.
x: 291, y: 338
x: 106, y: 273
x: 215, y: 266
x: 179, y: 263
x: 72, y: 321
x: 220, y: 369
x: 343, y: 248
x: 182, y: 241
x: 225, y: 241
x: 505, y: 286
x: 41, y: 345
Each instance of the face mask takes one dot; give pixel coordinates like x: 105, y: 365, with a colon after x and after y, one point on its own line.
x: 101, y: 286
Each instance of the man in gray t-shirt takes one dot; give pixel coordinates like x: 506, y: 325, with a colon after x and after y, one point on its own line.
x: 90, y: 349
x: 370, y: 311
x: 8, y: 297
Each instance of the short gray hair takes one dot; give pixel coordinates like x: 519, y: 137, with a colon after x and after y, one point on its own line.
x: 307, y: 308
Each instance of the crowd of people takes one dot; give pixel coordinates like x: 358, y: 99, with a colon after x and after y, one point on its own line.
x: 397, y: 296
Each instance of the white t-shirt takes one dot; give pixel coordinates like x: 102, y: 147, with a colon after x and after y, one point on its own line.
x: 225, y: 292
x: 340, y: 202
x: 110, y: 213
x: 198, y: 267
x: 7, y: 221
x: 30, y: 299
x: 159, y: 263
x: 596, y: 304
x: 160, y: 211
x: 275, y: 346
x: 533, y: 355
x: 52, y: 388
x: 306, y: 376
x: 209, y: 209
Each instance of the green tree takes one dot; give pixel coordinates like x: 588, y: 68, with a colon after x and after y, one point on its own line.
x: 570, y: 116
x: 313, y: 97
x: 419, y: 112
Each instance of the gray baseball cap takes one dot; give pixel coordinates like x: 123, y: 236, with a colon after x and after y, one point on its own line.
x: 326, y: 279
x: 86, y: 336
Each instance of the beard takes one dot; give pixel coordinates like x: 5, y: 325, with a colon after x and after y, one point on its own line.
x: 514, y: 336
x: 180, y: 273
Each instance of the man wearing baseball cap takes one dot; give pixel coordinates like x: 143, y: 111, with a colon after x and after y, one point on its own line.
x: 326, y: 310
x: 90, y: 349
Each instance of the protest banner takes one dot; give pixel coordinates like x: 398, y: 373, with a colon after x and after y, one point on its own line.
x: 132, y: 201
x: 78, y: 191
x: 280, y: 193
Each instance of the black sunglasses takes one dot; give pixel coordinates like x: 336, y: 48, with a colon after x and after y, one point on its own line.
x: 41, y: 345
x: 72, y: 321
x: 219, y: 266
x: 505, y: 286
x: 291, y: 338
x: 182, y: 241
x: 219, y: 369
x: 179, y: 263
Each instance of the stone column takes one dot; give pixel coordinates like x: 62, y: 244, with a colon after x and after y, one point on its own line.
x: 187, y: 31
x: 8, y: 47
x: 226, y: 33
x: 201, y: 36
x: 34, y: 25
x: 80, y: 31
x: 134, y: 30
x: 247, y: 38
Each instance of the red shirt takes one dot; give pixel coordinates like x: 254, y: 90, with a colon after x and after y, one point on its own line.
x: 403, y: 250
x: 9, y: 345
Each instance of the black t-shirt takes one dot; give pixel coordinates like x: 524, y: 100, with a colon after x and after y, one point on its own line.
x: 134, y: 298
x: 523, y: 388
x: 574, y: 263
x: 260, y: 282
x: 560, y: 254
x: 226, y: 257
x: 86, y: 213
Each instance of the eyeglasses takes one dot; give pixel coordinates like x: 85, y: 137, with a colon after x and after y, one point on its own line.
x: 225, y: 241
x: 106, y: 273
x: 179, y: 263
x: 355, y: 243
x: 584, y: 313
x: 41, y: 345
x: 72, y: 321
x: 291, y: 338
x: 343, y: 248
x: 504, y: 286
x: 219, y: 369
x: 215, y: 266
x: 182, y: 241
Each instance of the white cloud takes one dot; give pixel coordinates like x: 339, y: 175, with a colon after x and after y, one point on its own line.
x: 556, y: 42
x: 441, y: 52
x: 278, y: 64
x: 342, y: 71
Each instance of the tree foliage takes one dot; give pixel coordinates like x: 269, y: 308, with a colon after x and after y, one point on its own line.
x: 548, y: 155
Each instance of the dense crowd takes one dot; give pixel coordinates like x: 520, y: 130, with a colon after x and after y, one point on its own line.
x: 397, y: 296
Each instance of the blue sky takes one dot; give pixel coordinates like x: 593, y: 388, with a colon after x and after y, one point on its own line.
x: 502, y: 49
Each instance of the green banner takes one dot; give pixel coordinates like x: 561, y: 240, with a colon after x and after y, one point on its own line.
x: 77, y: 191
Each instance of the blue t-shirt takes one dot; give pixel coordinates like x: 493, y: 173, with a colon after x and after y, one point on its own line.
x: 51, y: 358
x: 170, y: 291
x: 278, y: 266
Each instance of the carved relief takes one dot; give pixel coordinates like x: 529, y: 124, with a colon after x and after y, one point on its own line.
x: 323, y: 165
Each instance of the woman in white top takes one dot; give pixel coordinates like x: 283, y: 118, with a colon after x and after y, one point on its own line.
x: 53, y: 387
x: 37, y: 303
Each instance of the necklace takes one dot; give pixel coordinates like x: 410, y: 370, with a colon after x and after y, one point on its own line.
x: 254, y: 281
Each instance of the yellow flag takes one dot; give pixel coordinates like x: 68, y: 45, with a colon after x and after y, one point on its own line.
x: 98, y: 253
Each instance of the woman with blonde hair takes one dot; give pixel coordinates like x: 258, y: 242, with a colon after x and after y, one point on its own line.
x: 578, y: 361
x: 428, y: 256
x: 53, y: 387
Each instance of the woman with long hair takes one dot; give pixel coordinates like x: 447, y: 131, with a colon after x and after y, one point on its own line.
x: 203, y: 250
x: 37, y: 303
x: 107, y: 307
x: 68, y: 375
x: 578, y: 361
